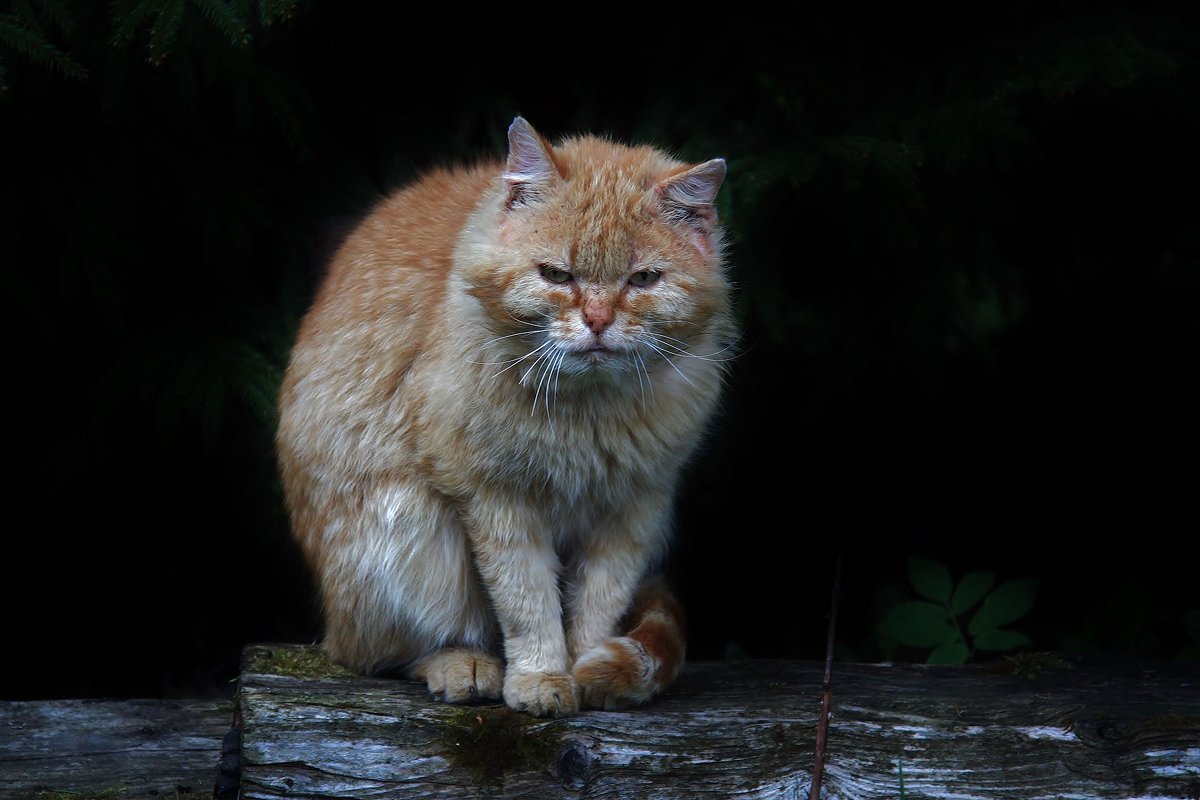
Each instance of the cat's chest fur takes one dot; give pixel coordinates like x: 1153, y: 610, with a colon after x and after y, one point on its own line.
x: 594, y: 446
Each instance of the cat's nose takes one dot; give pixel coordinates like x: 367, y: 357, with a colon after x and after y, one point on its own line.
x: 598, y: 315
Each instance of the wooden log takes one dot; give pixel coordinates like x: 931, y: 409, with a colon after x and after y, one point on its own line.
x: 1085, y: 729
x: 111, y: 749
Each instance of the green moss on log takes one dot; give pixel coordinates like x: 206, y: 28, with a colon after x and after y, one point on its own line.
x: 306, y: 661
x: 492, y: 740
x: 1032, y: 665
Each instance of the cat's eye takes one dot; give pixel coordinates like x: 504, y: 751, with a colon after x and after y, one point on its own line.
x: 554, y: 274
x: 643, y: 277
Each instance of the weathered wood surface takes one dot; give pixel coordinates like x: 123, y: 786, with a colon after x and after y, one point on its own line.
x: 111, y: 748
x: 735, y: 730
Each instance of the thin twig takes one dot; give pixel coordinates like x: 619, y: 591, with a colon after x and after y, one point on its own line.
x: 814, y: 792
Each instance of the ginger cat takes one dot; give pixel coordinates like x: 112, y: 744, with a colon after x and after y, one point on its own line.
x: 485, y: 417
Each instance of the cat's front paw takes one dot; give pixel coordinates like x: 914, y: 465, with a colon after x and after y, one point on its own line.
x: 543, y: 694
x: 616, y: 674
x: 460, y: 675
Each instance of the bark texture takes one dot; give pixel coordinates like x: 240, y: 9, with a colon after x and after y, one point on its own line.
x: 111, y: 749
x: 1035, y: 729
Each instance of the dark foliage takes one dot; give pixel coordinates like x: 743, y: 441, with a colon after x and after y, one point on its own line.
x: 967, y: 254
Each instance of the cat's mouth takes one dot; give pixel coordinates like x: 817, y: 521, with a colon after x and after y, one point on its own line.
x: 596, y: 353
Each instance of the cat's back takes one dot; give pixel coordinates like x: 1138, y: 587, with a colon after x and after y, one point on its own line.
x: 386, y: 282
x: 374, y: 311
x: 398, y: 257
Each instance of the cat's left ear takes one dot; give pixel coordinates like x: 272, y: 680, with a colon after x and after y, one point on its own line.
x: 530, y: 169
x: 689, y: 196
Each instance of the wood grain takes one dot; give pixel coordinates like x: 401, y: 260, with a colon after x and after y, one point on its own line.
x: 111, y: 748
x: 1097, y: 730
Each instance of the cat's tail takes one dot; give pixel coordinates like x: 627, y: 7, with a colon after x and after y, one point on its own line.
x: 633, y: 668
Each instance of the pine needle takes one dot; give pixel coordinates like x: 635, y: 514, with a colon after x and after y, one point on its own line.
x: 165, y: 30
x: 272, y: 11
x: 56, y: 12
x: 128, y: 23
x: 33, y: 46
x: 222, y: 17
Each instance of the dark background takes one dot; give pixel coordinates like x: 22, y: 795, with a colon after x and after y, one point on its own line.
x: 967, y: 253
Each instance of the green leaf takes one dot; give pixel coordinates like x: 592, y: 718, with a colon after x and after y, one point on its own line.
x: 930, y: 578
x: 1011, y: 601
x: 918, y: 624
x: 971, y: 589
x: 1191, y: 623
x: 954, y: 652
x: 996, y: 639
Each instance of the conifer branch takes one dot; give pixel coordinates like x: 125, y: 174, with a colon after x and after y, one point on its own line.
x: 56, y: 12
x: 165, y: 30
x: 32, y: 45
x: 24, y: 14
x: 128, y: 22
x: 166, y: 19
x: 222, y: 17
x: 272, y: 11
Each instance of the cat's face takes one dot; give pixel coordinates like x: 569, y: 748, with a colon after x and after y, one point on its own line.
x: 609, y: 265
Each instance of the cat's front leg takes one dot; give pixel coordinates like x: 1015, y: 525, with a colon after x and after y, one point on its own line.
x: 611, y: 562
x: 620, y: 666
x: 514, y: 553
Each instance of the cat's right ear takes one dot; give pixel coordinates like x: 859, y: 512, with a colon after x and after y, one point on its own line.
x: 530, y: 170
x: 690, y: 195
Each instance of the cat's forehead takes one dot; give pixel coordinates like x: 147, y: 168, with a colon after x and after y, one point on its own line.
x: 592, y: 165
x: 610, y: 207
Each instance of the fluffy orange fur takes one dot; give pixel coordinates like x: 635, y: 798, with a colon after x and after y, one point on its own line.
x: 485, y: 417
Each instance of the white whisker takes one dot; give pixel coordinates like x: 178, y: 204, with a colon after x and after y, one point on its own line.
x: 638, y: 362
x: 673, y: 323
x: 522, y: 321
x: 518, y: 333
x: 525, y: 375
x: 667, y: 358
x: 542, y: 364
x: 542, y: 354
x: 680, y: 348
x: 548, y: 362
x: 558, y: 371
x: 516, y: 361
x: 509, y: 361
x: 676, y: 322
